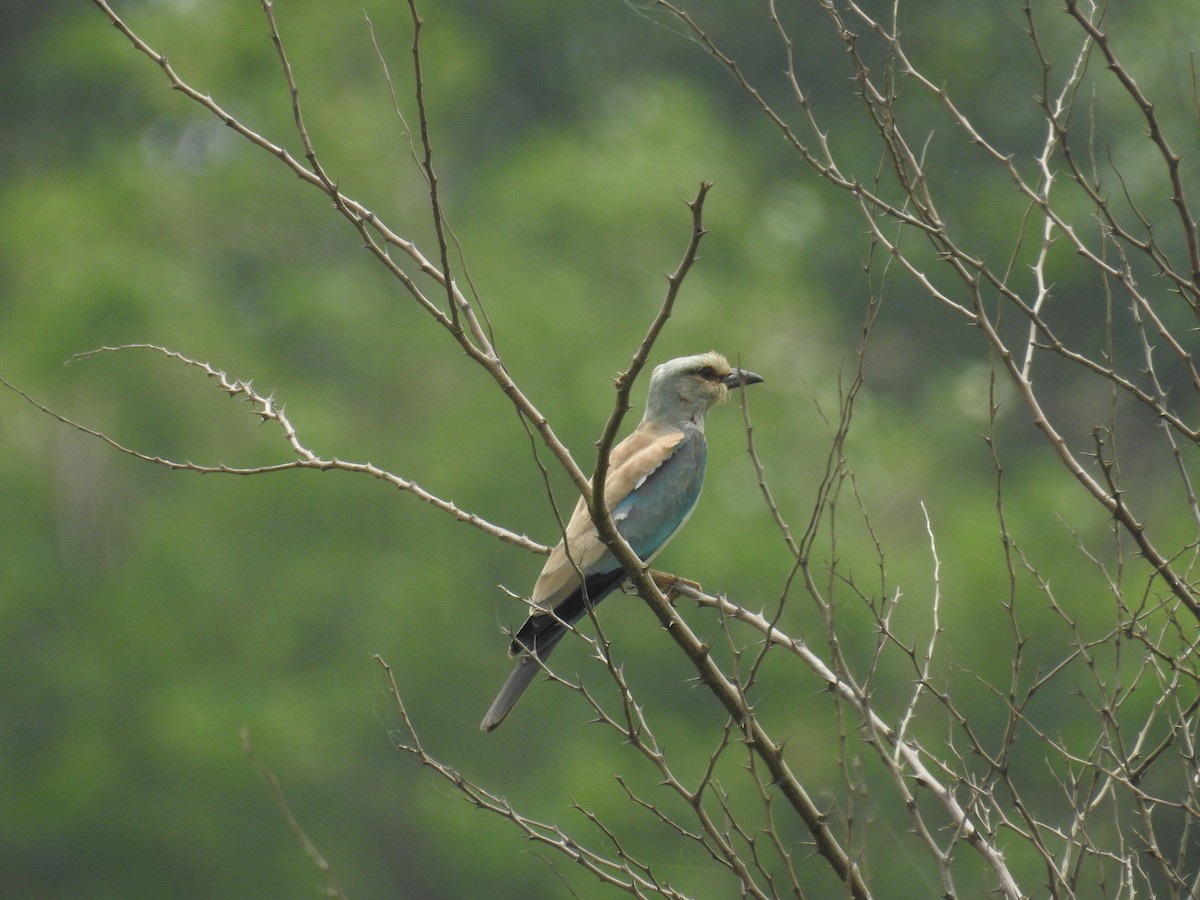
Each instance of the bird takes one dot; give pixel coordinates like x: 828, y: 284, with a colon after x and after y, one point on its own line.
x: 654, y: 480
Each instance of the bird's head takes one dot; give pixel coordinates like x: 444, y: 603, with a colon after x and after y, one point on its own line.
x: 686, y: 388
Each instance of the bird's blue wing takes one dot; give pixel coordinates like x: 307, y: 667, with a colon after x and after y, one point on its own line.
x: 658, y: 507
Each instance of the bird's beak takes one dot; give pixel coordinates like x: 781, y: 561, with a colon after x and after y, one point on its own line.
x: 741, y: 378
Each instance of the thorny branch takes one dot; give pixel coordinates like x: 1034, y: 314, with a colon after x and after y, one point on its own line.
x: 972, y: 272
x: 618, y: 872
x: 267, y: 410
x: 911, y: 203
x: 378, y: 237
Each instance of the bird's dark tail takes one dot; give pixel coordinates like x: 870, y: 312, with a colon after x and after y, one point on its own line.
x: 538, y: 637
x: 526, y: 669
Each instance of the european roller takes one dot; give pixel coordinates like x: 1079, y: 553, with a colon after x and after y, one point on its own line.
x: 652, y: 487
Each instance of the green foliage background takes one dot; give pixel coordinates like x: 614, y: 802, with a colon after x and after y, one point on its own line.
x: 146, y: 617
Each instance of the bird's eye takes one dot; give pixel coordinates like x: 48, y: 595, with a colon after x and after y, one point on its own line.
x: 708, y: 372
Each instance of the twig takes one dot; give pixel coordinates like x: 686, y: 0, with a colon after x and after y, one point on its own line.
x: 618, y: 873
x: 267, y: 410
x: 332, y: 888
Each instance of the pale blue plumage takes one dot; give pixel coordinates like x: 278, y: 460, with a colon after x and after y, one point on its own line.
x: 652, y: 487
x: 651, y: 514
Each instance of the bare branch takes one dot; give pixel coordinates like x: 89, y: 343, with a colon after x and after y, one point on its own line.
x: 377, y: 238
x: 267, y: 410
x: 333, y: 889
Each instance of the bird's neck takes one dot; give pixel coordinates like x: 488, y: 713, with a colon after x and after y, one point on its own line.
x: 680, y: 422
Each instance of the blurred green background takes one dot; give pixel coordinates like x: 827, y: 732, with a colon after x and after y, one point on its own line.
x: 147, y: 617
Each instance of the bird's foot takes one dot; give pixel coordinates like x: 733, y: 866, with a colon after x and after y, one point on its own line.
x: 670, y: 584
